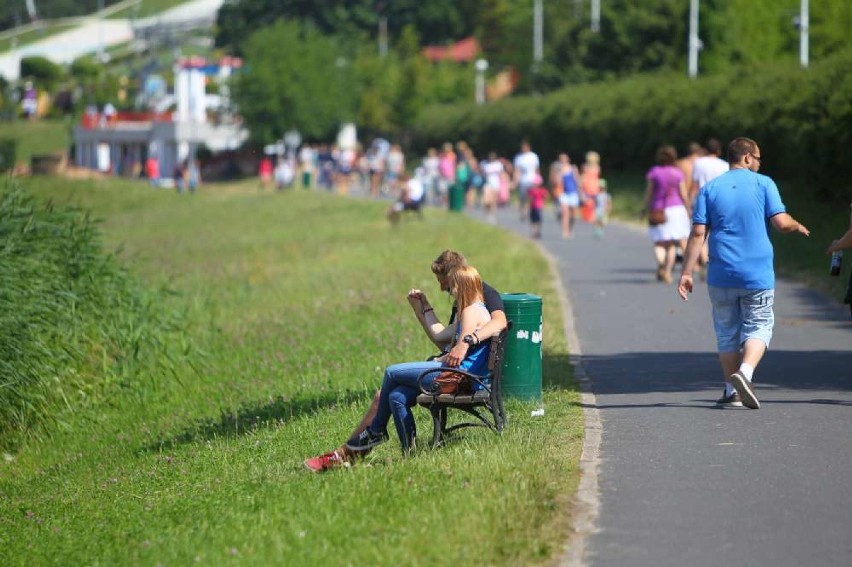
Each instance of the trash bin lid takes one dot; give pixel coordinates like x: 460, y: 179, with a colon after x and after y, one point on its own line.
x: 520, y: 298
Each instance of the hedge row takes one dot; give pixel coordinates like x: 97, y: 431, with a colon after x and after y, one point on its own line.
x: 802, y: 118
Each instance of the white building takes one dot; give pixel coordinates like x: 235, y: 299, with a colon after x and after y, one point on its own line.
x: 127, y: 139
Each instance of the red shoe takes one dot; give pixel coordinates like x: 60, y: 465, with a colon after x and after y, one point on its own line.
x: 325, y: 462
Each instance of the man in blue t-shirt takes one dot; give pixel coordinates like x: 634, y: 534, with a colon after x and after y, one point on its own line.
x: 733, y: 213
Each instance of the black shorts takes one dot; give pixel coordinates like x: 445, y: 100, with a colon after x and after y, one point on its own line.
x: 535, y: 215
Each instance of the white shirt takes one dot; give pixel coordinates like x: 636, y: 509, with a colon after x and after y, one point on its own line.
x: 415, y: 189
x: 492, y: 171
x: 430, y: 164
x: 527, y: 165
x: 708, y: 168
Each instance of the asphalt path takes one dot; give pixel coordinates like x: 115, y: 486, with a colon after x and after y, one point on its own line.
x: 680, y: 481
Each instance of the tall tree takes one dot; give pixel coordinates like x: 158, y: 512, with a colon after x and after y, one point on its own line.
x: 295, y: 77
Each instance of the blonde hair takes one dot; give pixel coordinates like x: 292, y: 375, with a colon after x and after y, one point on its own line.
x: 593, y: 158
x: 466, y: 286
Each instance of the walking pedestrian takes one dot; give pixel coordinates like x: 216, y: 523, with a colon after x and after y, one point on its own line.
x: 264, y: 171
x: 705, y: 169
x: 569, y: 199
x: 603, y: 208
x: 537, y: 194
x: 844, y: 241
x: 493, y: 172
x: 590, y: 184
x: 665, y: 195
x: 526, y: 167
x: 687, y: 162
x: 735, y: 210
x: 839, y: 245
x: 193, y: 175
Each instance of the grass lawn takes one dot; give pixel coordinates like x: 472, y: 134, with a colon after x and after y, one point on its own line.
x: 147, y: 8
x: 37, y: 137
x: 33, y: 36
x: 293, y: 303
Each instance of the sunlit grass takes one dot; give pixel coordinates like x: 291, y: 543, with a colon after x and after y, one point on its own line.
x: 295, y: 302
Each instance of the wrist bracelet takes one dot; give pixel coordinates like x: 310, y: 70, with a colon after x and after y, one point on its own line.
x: 427, y: 310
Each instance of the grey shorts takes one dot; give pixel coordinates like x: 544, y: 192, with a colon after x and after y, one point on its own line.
x: 741, y: 314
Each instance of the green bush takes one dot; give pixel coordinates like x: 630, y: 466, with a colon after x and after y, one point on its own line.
x: 73, y: 324
x: 85, y: 68
x: 801, y: 117
x: 8, y: 153
x: 45, y: 72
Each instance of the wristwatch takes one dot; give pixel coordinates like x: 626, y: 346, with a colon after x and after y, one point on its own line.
x: 469, y: 339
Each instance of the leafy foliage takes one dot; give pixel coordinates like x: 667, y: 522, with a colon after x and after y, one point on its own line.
x: 45, y: 72
x: 800, y: 117
x: 296, y: 77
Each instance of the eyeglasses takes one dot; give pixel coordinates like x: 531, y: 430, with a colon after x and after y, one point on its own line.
x: 756, y: 157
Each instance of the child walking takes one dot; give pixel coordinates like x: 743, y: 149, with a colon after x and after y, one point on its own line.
x: 603, y: 207
x: 536, y: 195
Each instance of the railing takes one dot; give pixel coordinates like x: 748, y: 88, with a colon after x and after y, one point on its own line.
x: 99, y: 120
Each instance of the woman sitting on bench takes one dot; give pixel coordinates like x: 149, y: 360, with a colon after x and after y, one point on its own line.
x: 400, y: 388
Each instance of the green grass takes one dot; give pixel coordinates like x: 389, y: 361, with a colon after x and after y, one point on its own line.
x: 147, y: 8
x: 37, y: 137
x: 796, y: 257
x: 33, y: 36
x: 294, y: 302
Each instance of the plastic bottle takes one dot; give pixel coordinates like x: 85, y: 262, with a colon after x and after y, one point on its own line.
x: 836, y: 263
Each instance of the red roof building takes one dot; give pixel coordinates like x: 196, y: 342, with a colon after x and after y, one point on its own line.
x: 463, y: 51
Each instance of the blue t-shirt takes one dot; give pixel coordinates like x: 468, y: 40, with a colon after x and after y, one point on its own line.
x: 736, y: 208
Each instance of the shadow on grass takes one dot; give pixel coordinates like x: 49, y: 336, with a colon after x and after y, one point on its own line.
x: 252, y: 417
x: 557, y: 373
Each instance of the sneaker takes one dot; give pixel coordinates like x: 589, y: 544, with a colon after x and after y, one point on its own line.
x: 366, y: 440
x: 325, y: 462
x: 744, y: 389
x: 732, y: 401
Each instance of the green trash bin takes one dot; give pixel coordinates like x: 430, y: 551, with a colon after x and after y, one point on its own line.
x: 522, y: 357
x: 456, y: 197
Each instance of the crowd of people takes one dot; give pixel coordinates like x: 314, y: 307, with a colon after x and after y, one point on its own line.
x: 454, y: 177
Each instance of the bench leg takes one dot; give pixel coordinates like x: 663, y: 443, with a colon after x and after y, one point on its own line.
x: 439, y: 423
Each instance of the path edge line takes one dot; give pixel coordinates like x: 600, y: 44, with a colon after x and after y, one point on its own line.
x: 587, y: 499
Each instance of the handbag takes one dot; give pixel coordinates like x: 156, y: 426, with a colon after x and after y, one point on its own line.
x: 656, y: 216
x: 449, y: 382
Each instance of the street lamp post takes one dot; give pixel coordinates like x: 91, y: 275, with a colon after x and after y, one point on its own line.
x: 694, y: 41
x: 538, y: 32
x: 804, y: 30
x: 596, y: 15
x: 481, y: 67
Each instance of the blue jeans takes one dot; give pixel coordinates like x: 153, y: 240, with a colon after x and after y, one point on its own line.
x: 399, y: 393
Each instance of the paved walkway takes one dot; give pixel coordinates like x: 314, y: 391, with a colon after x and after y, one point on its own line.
x: 680, y: 481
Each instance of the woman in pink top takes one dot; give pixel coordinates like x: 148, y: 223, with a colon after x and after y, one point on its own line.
x: 666, y: 190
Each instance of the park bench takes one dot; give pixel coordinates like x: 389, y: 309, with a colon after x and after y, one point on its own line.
x: 485, y: 403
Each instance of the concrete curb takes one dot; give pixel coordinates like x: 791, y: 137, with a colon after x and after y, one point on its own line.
x: 586, y: 500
